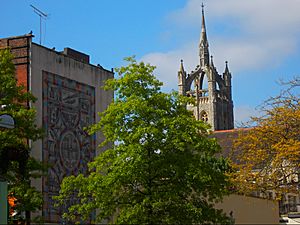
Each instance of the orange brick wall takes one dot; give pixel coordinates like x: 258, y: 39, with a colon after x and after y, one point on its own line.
x: 20, y: 47
x: 22, y: 75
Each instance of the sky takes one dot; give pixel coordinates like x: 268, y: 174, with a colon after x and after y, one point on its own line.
x: 260, y: 39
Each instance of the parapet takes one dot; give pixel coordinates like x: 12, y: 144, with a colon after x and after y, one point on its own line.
x: 79, y: 56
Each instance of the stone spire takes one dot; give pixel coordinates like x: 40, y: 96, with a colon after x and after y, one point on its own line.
x: 211, y: 91
x: 227, y: 76
x: 203, y: 45
x: 181, y: 69
x: 226, y: 67
x: 212, y: 62
x: 181, y: 79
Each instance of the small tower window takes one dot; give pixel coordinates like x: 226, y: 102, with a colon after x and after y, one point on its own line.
x: 204, y: 116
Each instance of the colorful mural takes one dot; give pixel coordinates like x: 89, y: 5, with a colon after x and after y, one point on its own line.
x: 68, y: 107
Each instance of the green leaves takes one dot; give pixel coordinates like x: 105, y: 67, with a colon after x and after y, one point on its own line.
x: 162, y: 167
x: 136, y: 79
x: 14, y: 148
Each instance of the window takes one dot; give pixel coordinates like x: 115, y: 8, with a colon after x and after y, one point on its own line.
x: 204, y: 116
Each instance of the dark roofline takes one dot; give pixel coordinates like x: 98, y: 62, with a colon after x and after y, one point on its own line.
x: 62, y: 54
x: 49, y: 49
x: 233, y: 130
x: 19, y: 36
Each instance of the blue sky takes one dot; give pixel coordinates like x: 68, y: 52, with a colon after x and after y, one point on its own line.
x: 259, y: 38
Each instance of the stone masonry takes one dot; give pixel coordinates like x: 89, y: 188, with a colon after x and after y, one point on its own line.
x: 214, y: 104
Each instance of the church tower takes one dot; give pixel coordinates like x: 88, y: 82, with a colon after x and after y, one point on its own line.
x: 212, y: 91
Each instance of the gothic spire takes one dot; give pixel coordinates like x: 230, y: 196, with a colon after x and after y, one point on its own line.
x: 203, y: 38
x: 203, y: 45
x: 226, y: 67
x: 212, y: 62
x: 181, y: 69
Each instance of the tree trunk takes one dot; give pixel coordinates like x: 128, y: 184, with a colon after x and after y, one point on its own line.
x: 27, y: 217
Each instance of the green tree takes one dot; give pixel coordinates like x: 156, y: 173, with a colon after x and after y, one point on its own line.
x: 16, y: 165
x: 162, y: 168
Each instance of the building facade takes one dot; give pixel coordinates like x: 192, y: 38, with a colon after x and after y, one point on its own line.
x: 213, y: 103
x: 70, y: 94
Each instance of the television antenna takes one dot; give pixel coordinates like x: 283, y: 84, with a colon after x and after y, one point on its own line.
x: 42, y: 15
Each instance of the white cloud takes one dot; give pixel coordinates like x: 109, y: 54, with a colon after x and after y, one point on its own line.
x: 245, y: 54
x: 243, y: 113
x: 264, y: 34
x: 167, y: 64
x: 264, y: 16
x: 240, y: 54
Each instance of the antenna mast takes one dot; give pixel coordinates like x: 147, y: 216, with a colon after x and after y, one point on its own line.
x: 41, y: 15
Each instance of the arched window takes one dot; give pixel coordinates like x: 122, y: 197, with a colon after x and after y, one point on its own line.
x: 204, y: 116
x: 218, y: 86
x: 204, y: 86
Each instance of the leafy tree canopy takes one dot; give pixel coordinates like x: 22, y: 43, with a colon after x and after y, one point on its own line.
x: 268, y: 154
x: 13, y: 101
x: 15, y: 162
x: 162, y: 168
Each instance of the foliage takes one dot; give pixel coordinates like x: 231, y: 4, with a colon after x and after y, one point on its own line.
x: 162, y: 168
x: 268, y: 154
x: 14, y: 100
